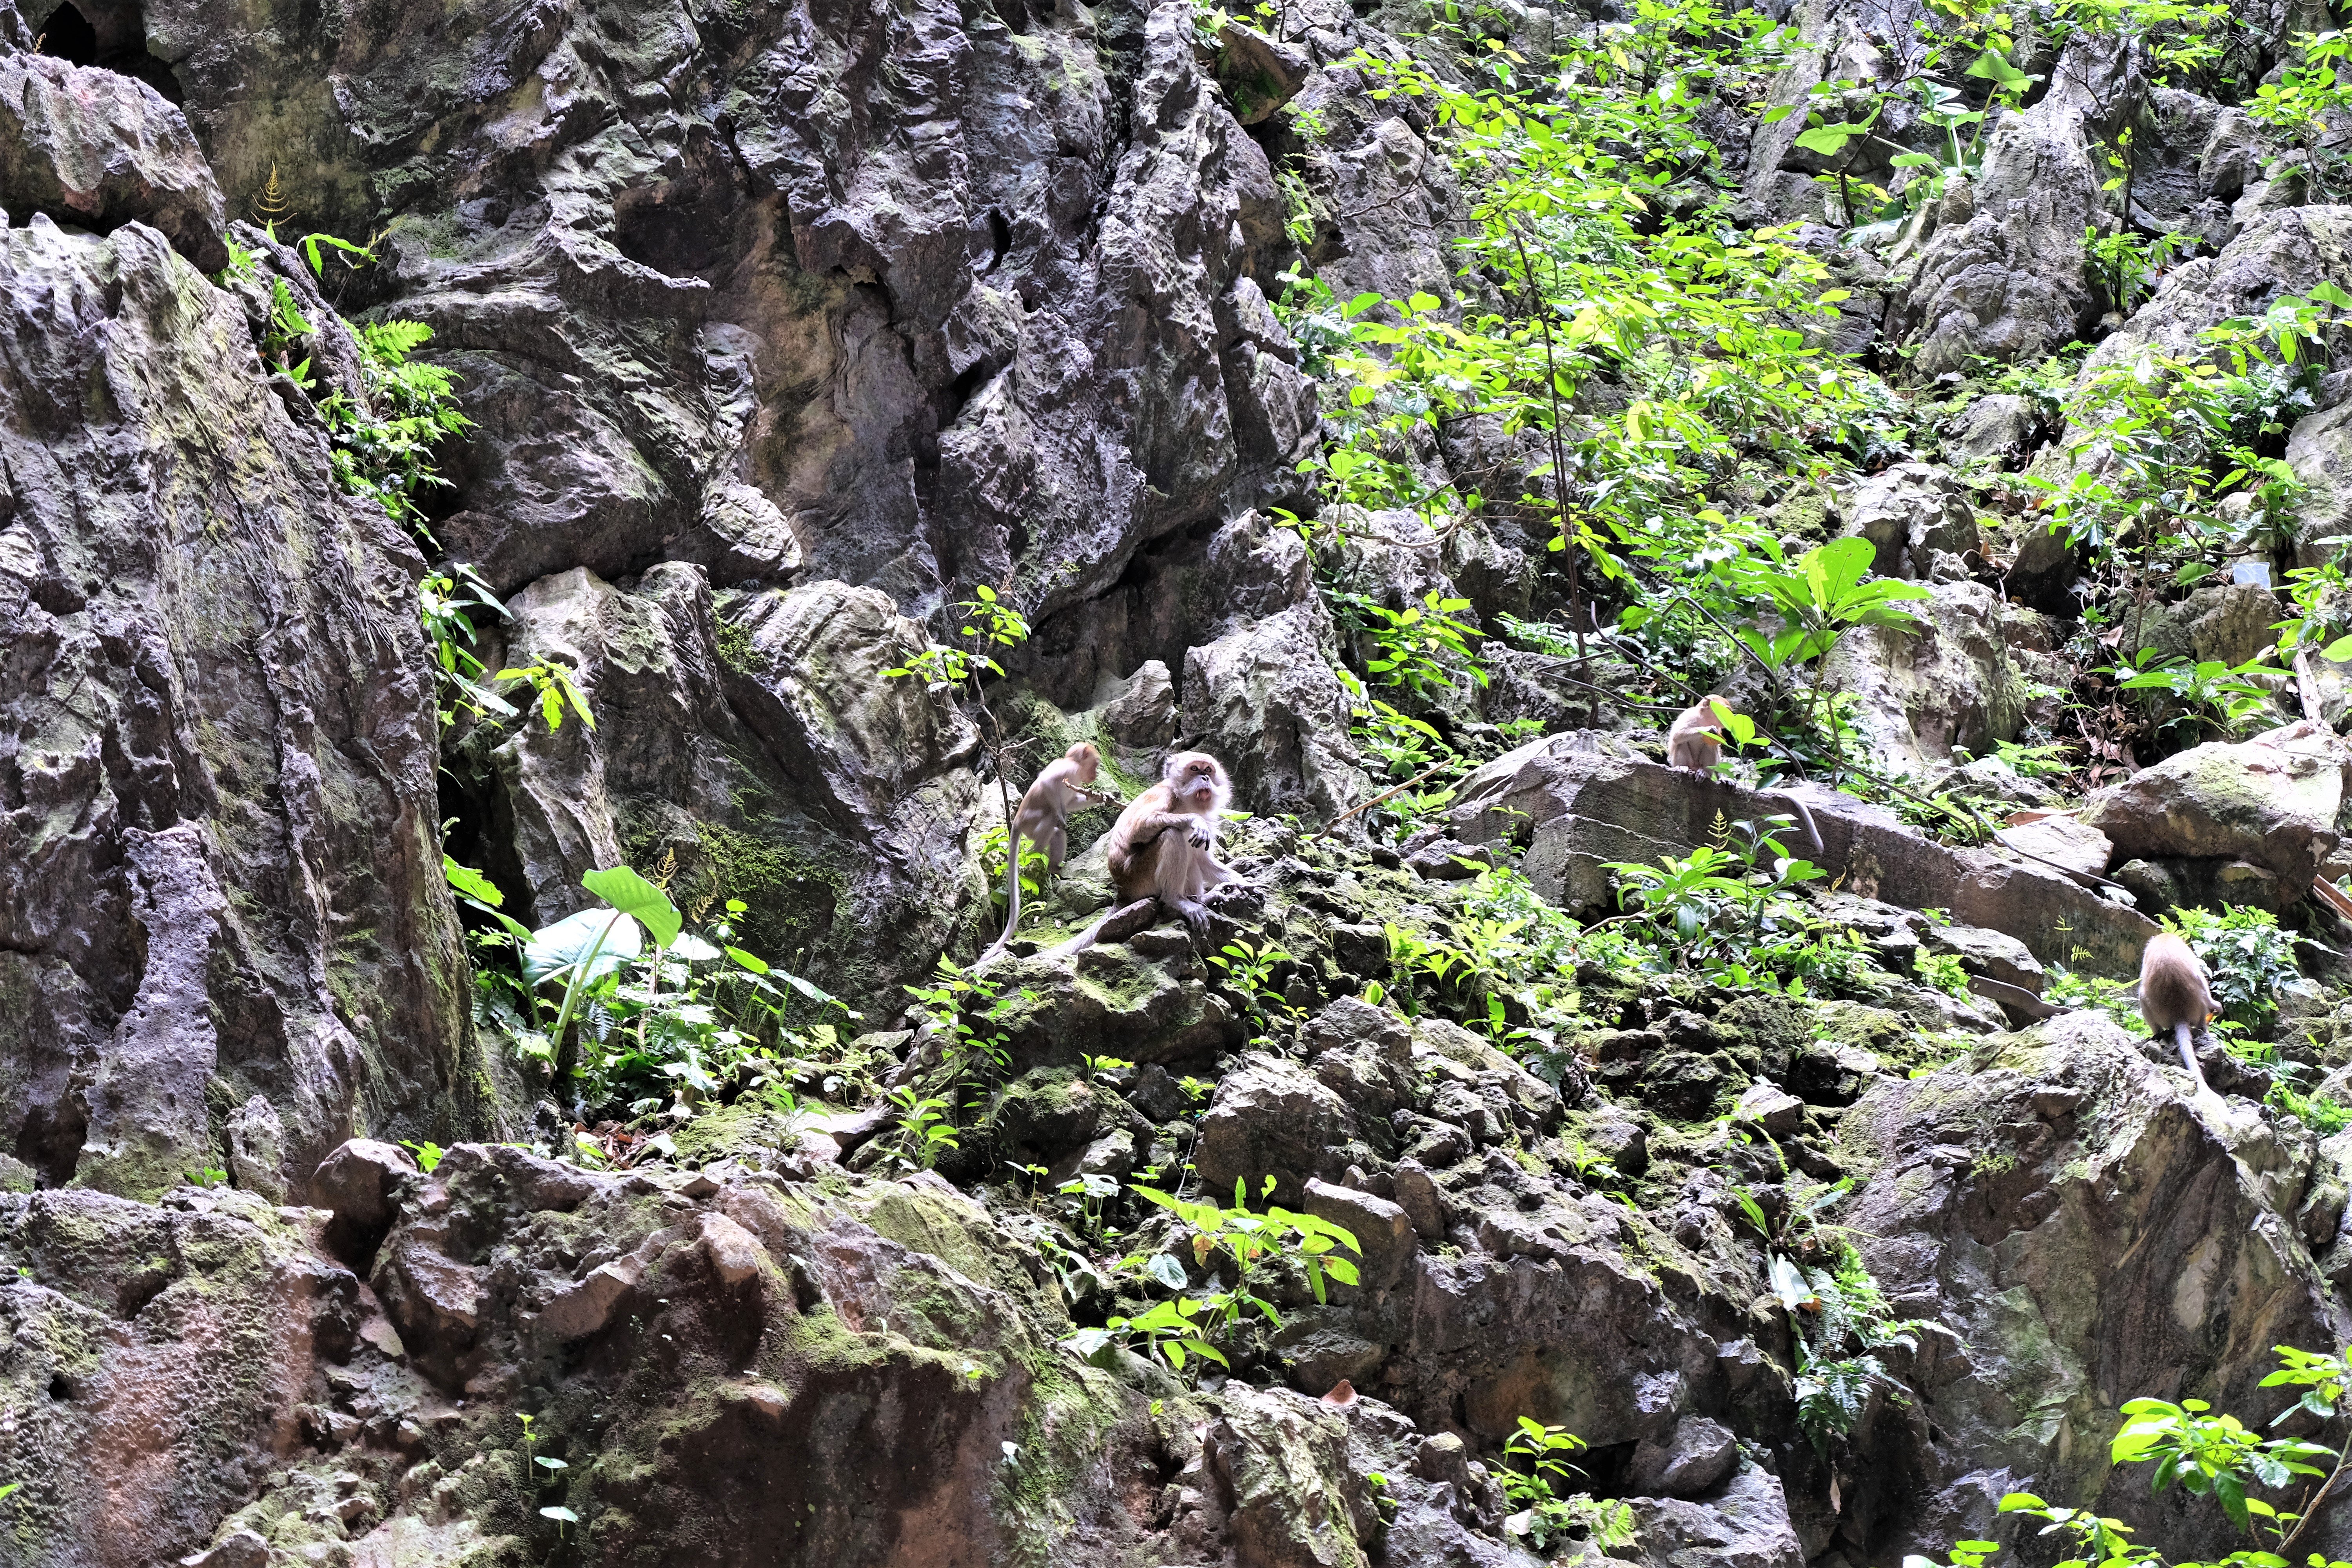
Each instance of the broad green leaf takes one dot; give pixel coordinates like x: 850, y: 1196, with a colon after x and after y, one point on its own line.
x: 612, y: 938
x: 1829, y: 141
x: 1990, y: 66
x: 639, y: 899
x: 467, y: 882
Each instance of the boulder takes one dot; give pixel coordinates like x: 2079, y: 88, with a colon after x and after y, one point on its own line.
x: 362, y: 1183
x: 1910, y: 512
x: 2285, y: 252
x: 1271, y: 1119
x: 95, y: 149
x: 1383, y: 1230
x: 1700, y: 1453
x: 2270, y: 802
x: 2150, y: 1222
x: 1924, y: 691
x: 1264, y: 698
x: 1993, y: 954
x: 2229, y: 621
x: 2065, y: 843
x: 2319, y: 450
x: 1746, y: 1525
x: 1771, y: 1107
x: 1579, y: 811
x: 1259, y: 74
x: 2000, y: 430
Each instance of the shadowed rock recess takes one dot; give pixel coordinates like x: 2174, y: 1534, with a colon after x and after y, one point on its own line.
x: 539, y: 541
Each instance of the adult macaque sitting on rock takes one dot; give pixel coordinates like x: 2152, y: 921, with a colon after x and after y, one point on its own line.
x: 1164, y: 845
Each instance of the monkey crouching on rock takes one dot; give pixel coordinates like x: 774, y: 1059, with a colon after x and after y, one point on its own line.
x: 2175, y: 997
x: 1164, y: 845
x: 1695, y: 741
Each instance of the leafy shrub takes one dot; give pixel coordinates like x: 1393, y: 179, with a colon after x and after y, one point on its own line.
x: 2247, y: 959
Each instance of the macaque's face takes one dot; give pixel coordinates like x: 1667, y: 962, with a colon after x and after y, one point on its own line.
x: 1086, y: 759
x: 1194, y: 779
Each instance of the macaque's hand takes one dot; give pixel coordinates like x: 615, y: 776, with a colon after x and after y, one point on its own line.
x: 1200, y: 835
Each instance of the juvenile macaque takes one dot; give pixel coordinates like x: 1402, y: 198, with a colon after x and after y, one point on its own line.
x: 1164, y: 845
x: 2174, y: 995
x: 1695, y: 740
x: 1043, y: 817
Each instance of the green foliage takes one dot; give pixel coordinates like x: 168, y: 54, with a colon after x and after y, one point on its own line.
x: 968, y: 1008
x: 2071, y: 988
x: 384, y: 440
x: 2206, y: 1456
x: 1424, y: 648
x: 1944, y: 971
x: 1729, y: 908
x: 685, y: 1021
x: 2212, y: 697
x: 2212, y: 1456
x: 1535, y: 1476
x: 1816, y: 599
x: 924, y: 1131
x: 2323, y: 1116
x: 2313, y: 91
x: 1191, y: 1326
x: 428, y: 1155
x: 1842, y: 1323
x: 1249, y: 970
x: 2248, y: 959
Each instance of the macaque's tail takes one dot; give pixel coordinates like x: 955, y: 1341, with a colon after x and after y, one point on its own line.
x: 2189, y: 1055
x: 1083, y: 941
x: 1013, y: 897
x: 1806, y: 817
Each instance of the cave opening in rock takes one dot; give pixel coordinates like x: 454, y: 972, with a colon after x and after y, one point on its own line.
x: 110, y: 35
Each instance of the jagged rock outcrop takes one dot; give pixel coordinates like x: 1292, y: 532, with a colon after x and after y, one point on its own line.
x: 791, y: 294
x: 97, y: 150
x: 2005, y: 274
x: 223, y: 930
x: 755, y: 748
x: 1579, y: 809
x: 2271, y: 802
x: 2083, y: 1227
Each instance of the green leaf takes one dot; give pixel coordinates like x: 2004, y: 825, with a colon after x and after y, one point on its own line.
x: 639, y: 899
x: 1829, y: 141
x: 597, y: 942
x: 1990, y: 66
x: 467, y: 882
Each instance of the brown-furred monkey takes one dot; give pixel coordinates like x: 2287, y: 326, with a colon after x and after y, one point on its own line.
x: 1043, y: 817
x: 1164, y: 845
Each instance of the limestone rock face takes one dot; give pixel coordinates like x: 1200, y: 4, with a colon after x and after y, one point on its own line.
x: 219, y: 875
x: 756, y: 748
x: 97, y: 150
x: 785, y: 290
x: 2068, y: 1195
x: 2010, y: 280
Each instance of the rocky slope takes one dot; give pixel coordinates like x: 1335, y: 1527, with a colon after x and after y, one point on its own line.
x: 783, y: 327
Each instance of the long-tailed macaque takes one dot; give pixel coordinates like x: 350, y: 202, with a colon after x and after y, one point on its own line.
x: 1043, y: 817
x: 1696, y: 740
x: 1164, y: 845
x: 2174, y: 995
